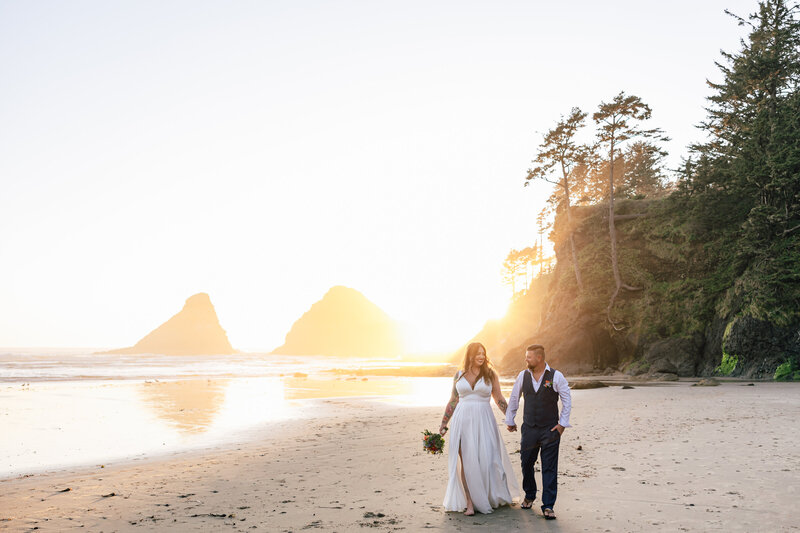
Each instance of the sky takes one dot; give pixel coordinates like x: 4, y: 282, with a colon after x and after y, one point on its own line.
x: 265, y: 151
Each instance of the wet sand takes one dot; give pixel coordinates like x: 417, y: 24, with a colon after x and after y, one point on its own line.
x: 61, y: 424
x: 669, y: 458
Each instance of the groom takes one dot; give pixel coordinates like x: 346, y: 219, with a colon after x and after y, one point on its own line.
x: 542, y: 387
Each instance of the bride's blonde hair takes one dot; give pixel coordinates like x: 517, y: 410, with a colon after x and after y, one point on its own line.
x: 485, y: 371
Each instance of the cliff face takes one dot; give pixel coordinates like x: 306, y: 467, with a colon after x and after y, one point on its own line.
x: 195, y: 330
x: 345, y: 324
x: 682, y: 321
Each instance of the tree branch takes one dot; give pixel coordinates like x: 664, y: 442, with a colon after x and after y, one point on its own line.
x: 613, y: 325
x: 787, y: 231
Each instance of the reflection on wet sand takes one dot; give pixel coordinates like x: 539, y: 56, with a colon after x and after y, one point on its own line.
x: 195, y: 406
x: 190, y: 406
x: 93, y: 422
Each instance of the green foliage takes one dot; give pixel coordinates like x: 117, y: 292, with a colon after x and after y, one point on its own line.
x: 788, y: 371
x: 768, y: 288
x: 728, y: 364
x: 642, y: 170
x: 743, y: 186
x: 618, y: 121
x: 726, y: 243
x: 558, y: 156
x: 639, y: 366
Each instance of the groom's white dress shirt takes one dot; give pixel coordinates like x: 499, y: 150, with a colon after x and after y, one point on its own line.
x: 560, y: 385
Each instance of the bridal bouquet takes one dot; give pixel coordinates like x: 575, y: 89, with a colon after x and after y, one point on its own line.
x: 432, y: 442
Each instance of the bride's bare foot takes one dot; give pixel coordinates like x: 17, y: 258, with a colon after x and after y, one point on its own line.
x: 470, y: 511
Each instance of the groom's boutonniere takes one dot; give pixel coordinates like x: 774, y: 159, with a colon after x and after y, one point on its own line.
x: 548, y: 384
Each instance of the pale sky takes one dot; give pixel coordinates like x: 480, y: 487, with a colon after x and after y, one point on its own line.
x: 264, y: 151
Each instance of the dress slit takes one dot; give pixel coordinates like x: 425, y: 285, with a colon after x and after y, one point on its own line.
x: 477, y: 451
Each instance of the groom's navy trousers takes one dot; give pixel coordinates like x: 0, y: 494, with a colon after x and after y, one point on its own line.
x: 540, y: 417
x: 542, y: 441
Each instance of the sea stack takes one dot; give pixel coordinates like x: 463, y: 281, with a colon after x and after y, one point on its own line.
x: 343, y: 323
x: 195, y: 330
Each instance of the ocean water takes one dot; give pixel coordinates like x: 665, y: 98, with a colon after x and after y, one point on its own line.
x: 43, y: 364
x: 67, y: 408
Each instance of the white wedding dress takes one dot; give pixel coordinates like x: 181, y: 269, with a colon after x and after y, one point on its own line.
x: 486, y: 465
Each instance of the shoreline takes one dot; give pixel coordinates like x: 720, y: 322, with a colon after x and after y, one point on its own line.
x: 241, y: 437
x: 246, y: 437
x: 73, y: 424
x: 650, y: 458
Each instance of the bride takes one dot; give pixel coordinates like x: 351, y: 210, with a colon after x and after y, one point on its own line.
x: 480, y: 470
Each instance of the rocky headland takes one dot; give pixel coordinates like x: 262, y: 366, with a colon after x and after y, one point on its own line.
x: 688, y: 319
x: 195, y: 330
x: 343, y: 323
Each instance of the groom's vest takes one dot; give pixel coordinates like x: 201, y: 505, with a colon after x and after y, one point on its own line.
x: 541, y: 408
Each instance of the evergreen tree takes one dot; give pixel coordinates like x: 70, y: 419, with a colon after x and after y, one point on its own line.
x: 559, y: 155
x: 643, y: 172
x: 745, y: 180
x: 542, y: 225
x: 590, y: 176
x: 617, y: 123
x: 512, y: 269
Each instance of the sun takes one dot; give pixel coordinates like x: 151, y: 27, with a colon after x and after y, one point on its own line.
x: 442, y: 329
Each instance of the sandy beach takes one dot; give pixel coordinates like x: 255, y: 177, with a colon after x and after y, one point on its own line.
x: 670, y: 458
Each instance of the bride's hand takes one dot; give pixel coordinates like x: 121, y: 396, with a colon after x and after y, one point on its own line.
x: 442, y: 430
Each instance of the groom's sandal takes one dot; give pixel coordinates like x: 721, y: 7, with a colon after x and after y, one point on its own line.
x: 526, y: 503
x: 548, y: 514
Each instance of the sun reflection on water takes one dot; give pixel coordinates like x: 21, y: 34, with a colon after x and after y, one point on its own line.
x: 219, y: 405
x: 59, y: 424
x: 254, y: 401
x: 187, y: 405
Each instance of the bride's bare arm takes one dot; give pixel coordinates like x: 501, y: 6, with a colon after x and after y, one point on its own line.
x: 497, y: 394
x: 448, y: 411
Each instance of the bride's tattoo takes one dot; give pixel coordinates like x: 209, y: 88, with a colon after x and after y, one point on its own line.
x: 448, y: 412
x: 451, y: 406
x: 502, y: 405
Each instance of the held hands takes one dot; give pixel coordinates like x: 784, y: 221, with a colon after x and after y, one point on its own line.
x: 511, y: 429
